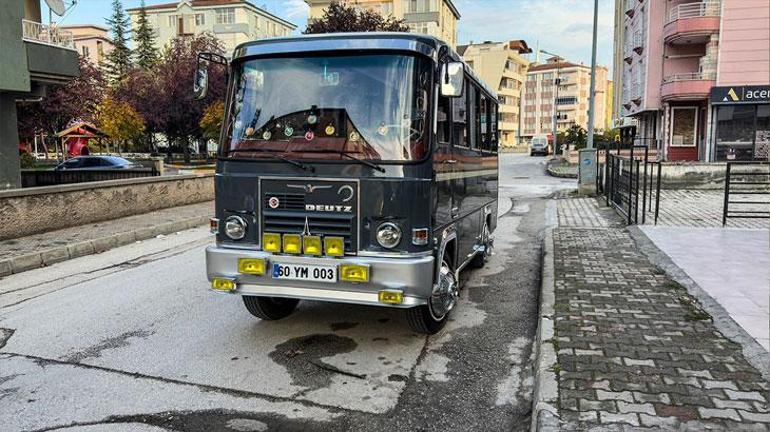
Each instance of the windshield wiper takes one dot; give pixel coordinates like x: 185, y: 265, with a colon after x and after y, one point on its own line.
x: 276, y: 156
x: 349, y: 156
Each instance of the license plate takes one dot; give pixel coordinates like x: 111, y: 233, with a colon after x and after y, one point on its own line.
x: 313, y: 273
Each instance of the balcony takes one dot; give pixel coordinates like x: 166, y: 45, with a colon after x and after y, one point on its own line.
x: 636, y: 93
x: 692, y: 23
x: 36, y: 32
x: 687, y: 86
x: 628, y: 54
x: 630, y: 7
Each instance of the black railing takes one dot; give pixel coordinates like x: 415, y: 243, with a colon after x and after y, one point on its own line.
x: 34, y: 178
x: 744, y: 184
x: 625, y: 181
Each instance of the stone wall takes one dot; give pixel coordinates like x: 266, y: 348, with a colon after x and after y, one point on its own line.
x: 35, y: 210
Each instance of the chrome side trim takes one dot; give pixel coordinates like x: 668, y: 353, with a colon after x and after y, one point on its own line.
x: 394, y: 254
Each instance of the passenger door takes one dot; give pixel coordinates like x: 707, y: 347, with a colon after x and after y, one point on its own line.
x: 443, y: 164
x: 464, y: 184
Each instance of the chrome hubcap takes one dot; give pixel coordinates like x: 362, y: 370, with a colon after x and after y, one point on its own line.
x: 488, y: 242
x: 444, y: 298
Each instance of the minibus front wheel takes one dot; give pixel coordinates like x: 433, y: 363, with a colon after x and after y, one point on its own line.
x: 270, y: 308
x: 432, y: 317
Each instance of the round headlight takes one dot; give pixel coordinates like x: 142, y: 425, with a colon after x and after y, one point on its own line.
x: 388, y: 235
x: 235, y: 227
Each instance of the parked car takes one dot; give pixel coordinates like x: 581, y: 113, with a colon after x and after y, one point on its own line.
x: 96, y: 163
x: 539, y: 145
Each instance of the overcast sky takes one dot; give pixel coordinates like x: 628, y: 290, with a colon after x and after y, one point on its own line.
x: 560, y: 26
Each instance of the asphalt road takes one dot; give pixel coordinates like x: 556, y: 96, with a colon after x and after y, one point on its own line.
x: 132, y: 340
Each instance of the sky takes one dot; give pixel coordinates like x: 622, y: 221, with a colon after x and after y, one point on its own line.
x: 563, y: 27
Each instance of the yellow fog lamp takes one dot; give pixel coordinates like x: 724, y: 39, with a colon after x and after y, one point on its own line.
x: 354, y: 273
x: 222, y: 284
x: 252, y: 266
x: 292, y: 243
x: 271, y: 242
x: 312, y: 245
x: 391, y: 297
x: 334, y: 246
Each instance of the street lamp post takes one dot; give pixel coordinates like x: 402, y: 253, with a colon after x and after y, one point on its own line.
x: 587, y: 156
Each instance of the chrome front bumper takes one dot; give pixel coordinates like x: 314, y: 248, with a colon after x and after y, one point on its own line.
x: 411, y: 275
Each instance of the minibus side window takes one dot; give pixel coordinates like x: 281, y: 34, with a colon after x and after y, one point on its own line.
x: 443, y: 127
x: 483, y: 118
x: 459, y: 119
x: 473, y: 120
x: 493, y: 127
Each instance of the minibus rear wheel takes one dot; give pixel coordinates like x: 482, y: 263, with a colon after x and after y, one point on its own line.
x: 270, y: 308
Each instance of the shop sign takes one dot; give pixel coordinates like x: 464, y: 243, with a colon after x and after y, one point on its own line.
x: 740, y: 95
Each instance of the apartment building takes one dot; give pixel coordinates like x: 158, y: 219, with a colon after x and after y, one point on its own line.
x: 434, y: 17
x: 502, y: 66
x: 231, y: 21
x: 560, y: 89
x: 91, y: 41
x: 35, y: 56
x: 696, y: 77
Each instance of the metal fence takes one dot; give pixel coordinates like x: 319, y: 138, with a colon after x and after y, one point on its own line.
x: 34, y: 178
x: 631, y: 184
x: 747, y: 189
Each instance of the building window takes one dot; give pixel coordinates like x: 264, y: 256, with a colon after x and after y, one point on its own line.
x: 226, y: 16
x: 743, y: 132
x: 85, y: 51
x: 200, y: 19
x: 567, y: 100
x: 684, y: 126
x: 411, y: 6
x: 99, y: 49
x: 172, y: 20
x: 386, y: 9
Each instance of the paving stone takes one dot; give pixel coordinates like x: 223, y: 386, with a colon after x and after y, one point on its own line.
x: 719, y: 413
x: 607, y: 417
x: 637, y: 362
x: 709, y: 384
x: 659, y: 422
x: 624, y: 407
x: 721, y: 403
x: 646, y: 397
x: 683, y: 413
x: 757, y: 417
x: 608, y: 395
x: 592, y: 405
x: 745, y: 395
x: 694, y: 373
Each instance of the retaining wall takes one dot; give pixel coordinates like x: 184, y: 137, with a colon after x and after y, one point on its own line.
x: 34, y: 210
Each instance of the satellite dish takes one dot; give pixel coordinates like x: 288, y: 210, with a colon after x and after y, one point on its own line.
x: 57, y: 6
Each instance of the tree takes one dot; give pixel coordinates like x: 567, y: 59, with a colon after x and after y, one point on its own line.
x: 119, y: 121
x: 75, y: 100
x: 576, y: 136
x: 118, y: 61
x: 341, y: 18
x: 144, y: 39
x: 211, y: 122
x: 175, y: 111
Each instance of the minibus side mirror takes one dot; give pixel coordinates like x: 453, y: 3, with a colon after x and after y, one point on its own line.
x: 201, y: 84
x: 201, y: 81
x: 452, y: 79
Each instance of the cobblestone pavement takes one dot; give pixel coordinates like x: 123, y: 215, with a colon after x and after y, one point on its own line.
x: 584, y: 213
x: 635, y: 351
x: 703, y: 208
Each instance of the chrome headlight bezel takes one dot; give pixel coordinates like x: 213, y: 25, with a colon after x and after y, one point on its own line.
x: 389, y: 235
x: 235, y: 227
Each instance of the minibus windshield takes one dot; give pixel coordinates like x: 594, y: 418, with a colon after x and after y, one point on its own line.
x: 338, y: 108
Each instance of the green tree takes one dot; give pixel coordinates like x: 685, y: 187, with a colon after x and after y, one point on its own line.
x: 144, y: 38
x: 120, y: 121
x: 576, y: 136
x: 118, y: 61
x: 341, y: 18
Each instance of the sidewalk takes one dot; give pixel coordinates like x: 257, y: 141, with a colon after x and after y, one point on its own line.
x: 27, y: 253
x: 634, y: 351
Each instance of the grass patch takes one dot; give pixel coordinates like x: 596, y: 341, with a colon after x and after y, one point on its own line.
x: 561, y: 307
x: 693, y: 310
x: 675, y: 286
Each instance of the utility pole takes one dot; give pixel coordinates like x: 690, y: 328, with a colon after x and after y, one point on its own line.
x: 587, y: 156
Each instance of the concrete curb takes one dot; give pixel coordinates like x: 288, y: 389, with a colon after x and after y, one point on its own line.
x: 51, y: 256
x: 545, y: 414
x: 553, y: 173
x: 754, y: 353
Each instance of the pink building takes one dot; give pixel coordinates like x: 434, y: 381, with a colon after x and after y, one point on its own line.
x: 695, y: 76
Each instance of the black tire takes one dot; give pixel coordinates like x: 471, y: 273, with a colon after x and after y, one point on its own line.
x: 531, y: 153
x: 421, y: 319
x: 270, y: 308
